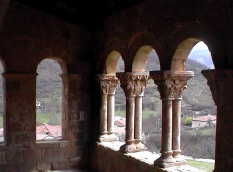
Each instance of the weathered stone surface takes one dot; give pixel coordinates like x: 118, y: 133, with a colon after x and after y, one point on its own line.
x: 60, y: 164
x: 32, y: 154
x: 43, y: 165
x: 27, y: 166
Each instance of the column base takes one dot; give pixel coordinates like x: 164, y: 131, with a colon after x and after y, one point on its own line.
x: 165, y: 160
x: 113, y: 137
x: 128, y: 148
x: 140, y: 147
x: 179, y: 159
x: 108, y: 138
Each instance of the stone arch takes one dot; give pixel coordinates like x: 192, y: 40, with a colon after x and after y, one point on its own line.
x: 182, y: 52
x: 112, y: 52
x: 111, y: 62
x: 61, y: 57
x: 139, y: 47
x: 140, y: 59
x: 187, y: 37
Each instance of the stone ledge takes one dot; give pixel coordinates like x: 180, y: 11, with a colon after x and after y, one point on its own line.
x: 107, y: 158
x: 53, y: 144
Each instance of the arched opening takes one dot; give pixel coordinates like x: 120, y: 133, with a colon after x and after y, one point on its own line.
x: 49, y: 100
x: 152, y: 111
x: 140, y: 59
x: 198, y: 117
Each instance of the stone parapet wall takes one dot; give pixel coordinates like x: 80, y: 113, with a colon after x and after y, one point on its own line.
x: 106, y: 157
x: 46, y: 155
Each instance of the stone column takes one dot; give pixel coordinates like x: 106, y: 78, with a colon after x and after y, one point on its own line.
x: 108, y: 84
x: 221, y: 84
x: 170, y: 89
x: 141, y: 80
x: 133, y: 85
x: 19, y: 108
x: 180, y: 81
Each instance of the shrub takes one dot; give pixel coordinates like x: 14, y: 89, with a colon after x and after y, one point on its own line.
x: 188, y: 121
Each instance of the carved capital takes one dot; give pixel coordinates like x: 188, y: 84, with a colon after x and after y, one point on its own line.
x: 134, y: 84
x: 171, y: 84
x: 108, y: 83
x: 215, y: 80
x: 213, y: 75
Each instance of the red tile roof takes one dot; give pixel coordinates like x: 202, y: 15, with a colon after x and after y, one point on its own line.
x: 205, y: 118
x: 48, y: 130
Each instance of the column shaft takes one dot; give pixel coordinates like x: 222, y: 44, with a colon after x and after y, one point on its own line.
x: 111, y: 111
x: 138, y: 119
x: 166, y: 127
x: 103, y: 115
x: 130, y: 106
x: 176, y: 113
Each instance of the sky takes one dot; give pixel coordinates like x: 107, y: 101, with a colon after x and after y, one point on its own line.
x: 201, y: 45
x: 201, y: 53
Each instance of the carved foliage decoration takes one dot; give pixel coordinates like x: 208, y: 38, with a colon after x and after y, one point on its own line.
x: 171, y: 86
x: 108, y: 83
x: 215, y: 80
x: 133, y: 84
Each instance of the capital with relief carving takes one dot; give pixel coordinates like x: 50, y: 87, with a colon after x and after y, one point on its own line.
x: 171, y: 84
x: 108, y: 83
x: 133, y: 84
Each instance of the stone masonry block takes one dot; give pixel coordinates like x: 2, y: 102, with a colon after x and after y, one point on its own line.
x: 27, y: 166
x: 2, y: 157
x: 56, y: 144
x: 21, y: 137
x: 58, y: 152
x: 64, y: 144
x: 9, y: 167
x: 46, y: 153
x: 44, y: 144
x: 43, y: 165
x: 75, y: 162
x: 62, y: 164
x: 32, y: 154
x: 14, y: 156
x: 71, y: 152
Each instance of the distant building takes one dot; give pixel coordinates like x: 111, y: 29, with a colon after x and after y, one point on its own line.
x: 38, y: 104
x: 1, y: 134
x: 48, y: 132
x: 119, y: 125
x: 202, y: 121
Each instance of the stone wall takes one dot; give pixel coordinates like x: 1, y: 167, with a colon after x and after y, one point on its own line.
x: 28, y: 36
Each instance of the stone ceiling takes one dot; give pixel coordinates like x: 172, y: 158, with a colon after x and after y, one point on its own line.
x: 86, y: 13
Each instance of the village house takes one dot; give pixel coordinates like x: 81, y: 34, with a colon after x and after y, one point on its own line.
x: 48, y: 132
x: 203, y: 121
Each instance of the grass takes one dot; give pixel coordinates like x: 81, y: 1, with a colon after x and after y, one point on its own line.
x: 206, y: 166
x: 42, y: 118
x: 1, y: 121
x: 145, y: 113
